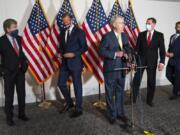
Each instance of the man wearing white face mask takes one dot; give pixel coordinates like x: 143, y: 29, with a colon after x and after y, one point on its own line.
x: 149, y: 44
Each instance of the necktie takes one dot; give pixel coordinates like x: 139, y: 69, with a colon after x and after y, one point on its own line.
x: 149, y: 38
x: 15, y: 46
x: 68, y: 35
x: 120, y: 41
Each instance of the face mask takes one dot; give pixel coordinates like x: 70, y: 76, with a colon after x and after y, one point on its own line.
x: 178, y: 31
x: 68, y: 26
x: 148, y: 27
x: 14, y: 33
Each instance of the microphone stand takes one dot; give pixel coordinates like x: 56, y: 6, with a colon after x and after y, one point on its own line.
x: 132, y: 61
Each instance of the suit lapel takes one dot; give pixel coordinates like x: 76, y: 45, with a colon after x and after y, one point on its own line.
x: 71, y: 35
x: 115, y: 39
x: 72, y: 32
x: 10, y: 45
x: 19, y: 43
x: 178, y: 38
x: 62, y: 35
x: 153, y: 38
x: 145, y: 38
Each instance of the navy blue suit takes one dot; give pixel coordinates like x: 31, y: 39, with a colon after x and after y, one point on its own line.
x: 173, y: 66
x: 76, y: 44
x: 114, y: 80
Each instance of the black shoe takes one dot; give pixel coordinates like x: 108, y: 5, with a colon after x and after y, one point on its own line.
x: 112, y: 120
x: 123, y: 118
x: 173, y: 97
x: 24, y: 118
x: 10, y: 123
x: 75, y: 114
x: 151, y: 104
x: 66, y: 108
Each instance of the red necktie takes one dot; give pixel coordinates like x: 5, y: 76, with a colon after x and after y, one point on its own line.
x: 15, y: 47
x: 149, y: 38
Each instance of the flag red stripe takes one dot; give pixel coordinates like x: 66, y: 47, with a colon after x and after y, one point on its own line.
x: 40, y: 55
x: 34, y: 59
x: 35, y: 50
x: 34, y: 72
x: 96, y: 60
x: 96, y: 73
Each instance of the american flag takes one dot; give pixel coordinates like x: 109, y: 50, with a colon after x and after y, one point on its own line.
x: 95, y: 26
x: 131, y: 26
x: 34, y: 40
x: 53, y: 39
x: 116, y: 10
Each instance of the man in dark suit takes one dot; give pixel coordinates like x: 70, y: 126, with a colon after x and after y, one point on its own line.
x: 173, y: 66
x: 149, y: 44
x: 13, y: 67
x: 111, y: 49
x: 72, y: 45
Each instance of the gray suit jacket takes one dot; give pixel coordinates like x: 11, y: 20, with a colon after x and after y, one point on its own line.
x: 108, y: 46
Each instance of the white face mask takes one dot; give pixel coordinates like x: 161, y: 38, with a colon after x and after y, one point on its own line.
x: 148, y: 27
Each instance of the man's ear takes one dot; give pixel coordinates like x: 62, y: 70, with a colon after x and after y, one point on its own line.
x: 114, y: 25
x: 7, y: 30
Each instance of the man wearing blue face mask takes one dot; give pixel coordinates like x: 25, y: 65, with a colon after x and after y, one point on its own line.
x: 173, y: 67
x: 13, y: 67
x: 150, y: 44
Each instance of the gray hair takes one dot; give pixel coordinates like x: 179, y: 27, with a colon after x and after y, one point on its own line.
x: 114, y: 18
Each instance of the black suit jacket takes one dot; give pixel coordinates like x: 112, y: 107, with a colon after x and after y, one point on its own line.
x: 77, y: 45
x: 149, y: 53
x: 174, y: 47
x: 10, y: 61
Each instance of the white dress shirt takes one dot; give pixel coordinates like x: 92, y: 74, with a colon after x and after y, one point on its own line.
x: 152, y: 32
x: 70, y: 30
x: 11, y: 40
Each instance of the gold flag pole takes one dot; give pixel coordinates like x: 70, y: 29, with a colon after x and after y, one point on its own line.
x: 44, y: 104
x: 99, y: 104
x: 117, y: 5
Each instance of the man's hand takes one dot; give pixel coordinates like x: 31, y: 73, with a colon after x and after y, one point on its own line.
x: 125, y: 55
x: 169, y: 54
x: 69, y: 55
x: 119, y: 54
x: 160, y: 66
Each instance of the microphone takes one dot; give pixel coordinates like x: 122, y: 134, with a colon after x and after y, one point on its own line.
x: 129, y: 50
x: 131, y: 54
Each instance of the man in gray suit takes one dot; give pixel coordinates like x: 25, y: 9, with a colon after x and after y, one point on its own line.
x: 112, y: 49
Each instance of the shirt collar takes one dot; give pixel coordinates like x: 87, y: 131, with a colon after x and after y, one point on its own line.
x: 9, y: 37
x: 152, y: 32
x: 117, y: 34
x: 70, y: 28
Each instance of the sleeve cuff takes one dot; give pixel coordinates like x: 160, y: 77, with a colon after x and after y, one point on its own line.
x: 114, y: 55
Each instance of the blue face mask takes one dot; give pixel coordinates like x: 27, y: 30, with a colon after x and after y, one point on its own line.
x: 14, y: 33
x: 67, y: 26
